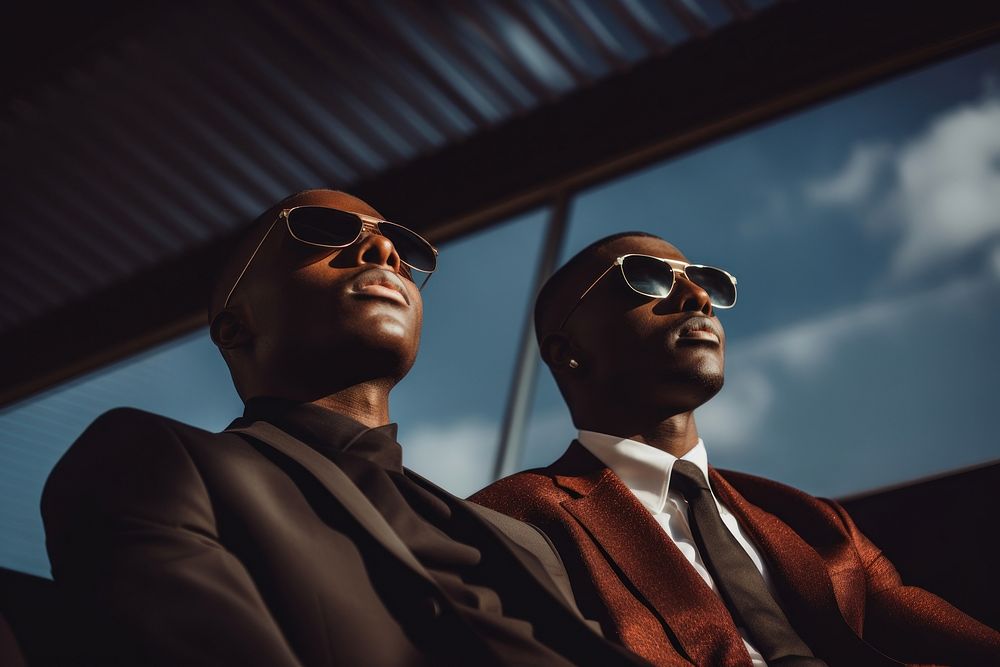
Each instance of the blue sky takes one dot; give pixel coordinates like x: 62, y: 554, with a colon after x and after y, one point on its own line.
x: 865, y: 233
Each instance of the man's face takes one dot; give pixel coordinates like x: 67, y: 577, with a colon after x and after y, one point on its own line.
x: 664, y: 355
x: 323, y: 319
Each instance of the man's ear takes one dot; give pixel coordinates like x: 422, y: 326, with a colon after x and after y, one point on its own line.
x: 228, y: 331
x: 559, y: 352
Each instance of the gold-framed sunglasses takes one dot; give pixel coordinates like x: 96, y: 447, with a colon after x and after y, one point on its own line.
x: 655, y: 277
x: 328, y: 227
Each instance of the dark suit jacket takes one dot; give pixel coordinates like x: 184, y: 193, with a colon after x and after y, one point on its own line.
x: 842, y: 595
x: 188, y: 547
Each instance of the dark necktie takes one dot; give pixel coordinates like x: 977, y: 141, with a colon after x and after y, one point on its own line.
x: 739, y: 581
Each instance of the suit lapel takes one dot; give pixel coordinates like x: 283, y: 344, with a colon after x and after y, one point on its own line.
x: 528, y: 546
x: 540, y: 560
x: 513, y: 535
x: 796, y: 566
x: 803, y: 580
x: 339, y: 485
x: 646, y: 556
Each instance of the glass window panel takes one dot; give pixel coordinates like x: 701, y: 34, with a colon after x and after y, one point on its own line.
x: 865, y: 234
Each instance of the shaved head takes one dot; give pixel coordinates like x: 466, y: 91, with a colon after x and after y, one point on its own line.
x: 564, y: 287
x: 237, y: 258
x: 625, y: 360
x: 306, y: 321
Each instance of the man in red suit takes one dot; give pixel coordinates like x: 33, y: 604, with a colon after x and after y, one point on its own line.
x: 681, y: 562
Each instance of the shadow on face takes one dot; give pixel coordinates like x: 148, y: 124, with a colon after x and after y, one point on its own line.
x: 306, y: 321
x: 658, y: 356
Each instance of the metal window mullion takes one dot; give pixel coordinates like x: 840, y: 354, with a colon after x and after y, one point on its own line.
x: 522, y: 388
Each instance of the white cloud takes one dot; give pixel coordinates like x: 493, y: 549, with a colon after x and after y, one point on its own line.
x: 856, y: 180
x: 944, y: 196
x: 458, y: 456
x: 948, y: 195
x: 808, y: 346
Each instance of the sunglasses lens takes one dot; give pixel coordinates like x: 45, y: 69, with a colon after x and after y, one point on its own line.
x: 648, y: 275
x: 719, y: 286
x: 410, y: 246
x: 324, y: 226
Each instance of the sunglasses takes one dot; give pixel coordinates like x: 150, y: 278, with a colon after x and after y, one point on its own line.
x: 327, y: 227
x: 655, y: 277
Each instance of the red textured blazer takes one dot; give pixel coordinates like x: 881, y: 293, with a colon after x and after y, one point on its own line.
x: 843, y: 596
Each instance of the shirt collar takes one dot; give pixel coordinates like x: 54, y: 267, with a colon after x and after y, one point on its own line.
x: 644, y: 469
x: 329, y: 431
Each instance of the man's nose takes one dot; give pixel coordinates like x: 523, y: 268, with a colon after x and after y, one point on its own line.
x: 691, y: 297
x: 373, y: 248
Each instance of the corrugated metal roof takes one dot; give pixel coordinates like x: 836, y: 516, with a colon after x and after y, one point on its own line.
x: 198, y: 117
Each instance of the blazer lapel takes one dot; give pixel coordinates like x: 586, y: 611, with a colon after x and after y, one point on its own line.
x: 339, y: 485
x: 528, y: 546
x: 540, y: 560
x: 803, y: 581
x: 513, y: 535
x: 646, y: 556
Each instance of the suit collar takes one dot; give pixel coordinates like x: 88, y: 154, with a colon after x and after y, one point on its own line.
x: 797, y: 565
x: 644, y: 469
x: 698, y: 619
x: 545, y: 566
x: 577, y: 470
x: 628, y: 534
x: 509, y: 534
x: 328, y: 431
x: 337, y: 483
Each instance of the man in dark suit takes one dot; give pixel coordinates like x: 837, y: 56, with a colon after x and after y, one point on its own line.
x: 681, y: 562
x: 296, y: 537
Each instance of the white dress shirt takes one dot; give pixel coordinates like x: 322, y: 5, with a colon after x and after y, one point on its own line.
x: 645, y: 470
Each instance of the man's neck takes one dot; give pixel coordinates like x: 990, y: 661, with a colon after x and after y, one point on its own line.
x: 677, y: 434
x: 366, y: 402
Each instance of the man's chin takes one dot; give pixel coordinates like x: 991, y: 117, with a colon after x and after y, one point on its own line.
x: 346, y: 361
x: 697, y: 385
x: 374, y: 361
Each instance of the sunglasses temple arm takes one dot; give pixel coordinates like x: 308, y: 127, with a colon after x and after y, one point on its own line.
x: 424, y: 282
x: 585, y: 293
x: 249, y: 261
